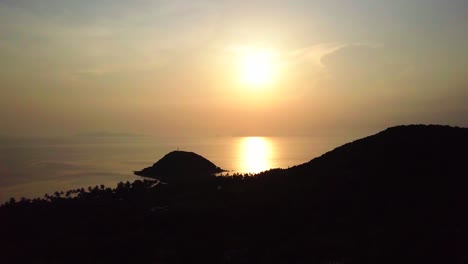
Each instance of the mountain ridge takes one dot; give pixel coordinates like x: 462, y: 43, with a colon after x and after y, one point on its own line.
x: 392, y: 140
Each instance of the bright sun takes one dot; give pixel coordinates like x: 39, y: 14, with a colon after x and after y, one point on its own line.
x: 257, y: 67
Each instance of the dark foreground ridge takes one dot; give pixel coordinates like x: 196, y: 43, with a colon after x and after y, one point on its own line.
x: 180, y: 165
x: 395, y: 197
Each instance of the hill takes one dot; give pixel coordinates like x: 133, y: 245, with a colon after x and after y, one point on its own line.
x: 412, y: 148
x: 397, y: 195
x: 179, y: 165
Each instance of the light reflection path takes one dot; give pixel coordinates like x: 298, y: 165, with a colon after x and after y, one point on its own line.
x: 255, y: 154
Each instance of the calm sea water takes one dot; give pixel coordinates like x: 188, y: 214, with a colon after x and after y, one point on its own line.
x: 31, y: 168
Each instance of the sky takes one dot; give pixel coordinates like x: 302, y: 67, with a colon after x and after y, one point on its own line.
x: 172, y: 67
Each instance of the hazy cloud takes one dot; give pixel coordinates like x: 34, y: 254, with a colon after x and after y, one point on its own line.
x: 315, y: 53
x: 364, y: 65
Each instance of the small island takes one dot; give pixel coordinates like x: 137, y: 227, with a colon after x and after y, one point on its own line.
x: 180, y: 165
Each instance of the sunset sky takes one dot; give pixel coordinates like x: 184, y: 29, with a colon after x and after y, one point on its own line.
x: 219, y: 67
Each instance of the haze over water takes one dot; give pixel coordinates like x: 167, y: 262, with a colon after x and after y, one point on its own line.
x: 31, y: 168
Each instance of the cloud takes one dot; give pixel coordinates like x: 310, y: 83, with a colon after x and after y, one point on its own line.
x: 81, y: 40
x: 362, y: 63
x: 354, y: 61
x: 315, y: 53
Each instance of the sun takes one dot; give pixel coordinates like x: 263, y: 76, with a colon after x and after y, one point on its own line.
x: 257, y: 67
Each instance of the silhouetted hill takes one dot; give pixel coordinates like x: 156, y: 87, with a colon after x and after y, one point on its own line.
x: 402, y: 192
x: 178, y: 165
x: 398, y: 196
x: 403, y: 149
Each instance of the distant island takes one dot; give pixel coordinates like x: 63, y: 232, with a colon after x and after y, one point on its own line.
x: 398, y: 196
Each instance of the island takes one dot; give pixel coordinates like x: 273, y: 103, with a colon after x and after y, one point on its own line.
x: 180, y: 165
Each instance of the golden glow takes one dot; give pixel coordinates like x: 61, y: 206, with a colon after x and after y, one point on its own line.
x: 257, y: 67
x: 255, y: 154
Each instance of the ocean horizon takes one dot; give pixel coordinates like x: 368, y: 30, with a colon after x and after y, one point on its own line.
x: 31, y: 168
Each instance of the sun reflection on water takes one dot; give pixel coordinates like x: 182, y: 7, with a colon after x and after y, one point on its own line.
x: 255, y: 154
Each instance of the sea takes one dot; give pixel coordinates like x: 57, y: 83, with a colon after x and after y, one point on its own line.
x: 32, y: 167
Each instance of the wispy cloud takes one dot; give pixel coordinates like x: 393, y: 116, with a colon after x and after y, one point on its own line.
x: 78, y: 41
x: 315, y: 53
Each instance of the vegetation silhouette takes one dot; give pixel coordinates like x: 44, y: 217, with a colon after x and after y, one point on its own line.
x: 395, y: 197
